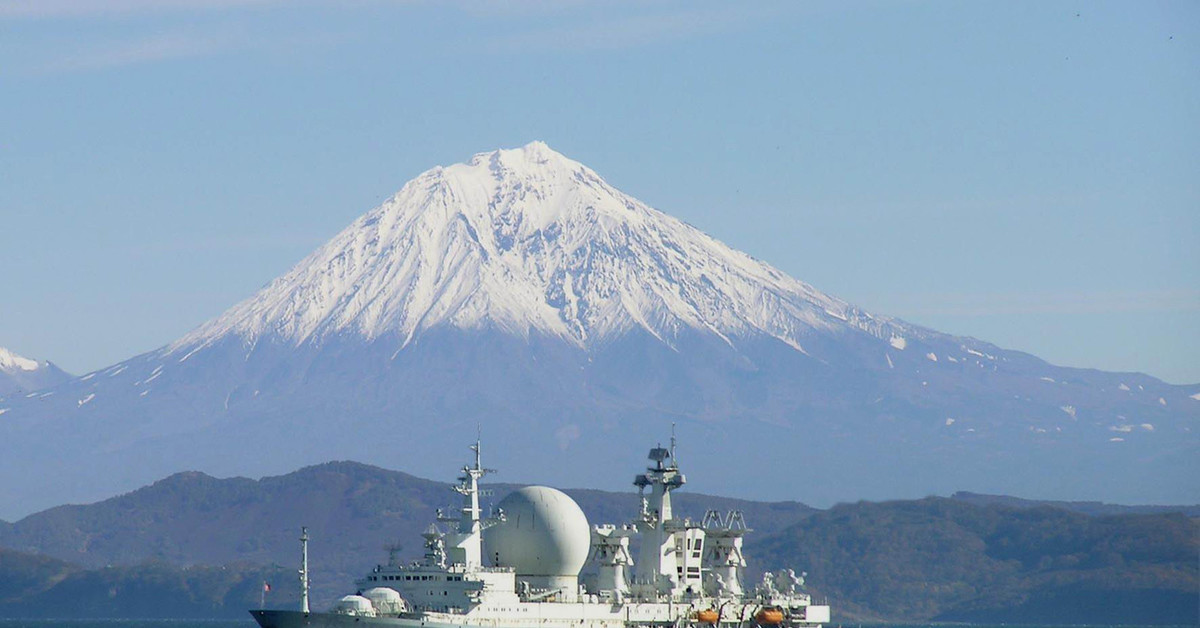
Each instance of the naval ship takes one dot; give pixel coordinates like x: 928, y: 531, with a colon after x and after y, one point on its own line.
x: 519, y: 567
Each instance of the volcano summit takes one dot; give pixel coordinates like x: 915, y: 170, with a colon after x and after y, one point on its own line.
x: 521, y: 292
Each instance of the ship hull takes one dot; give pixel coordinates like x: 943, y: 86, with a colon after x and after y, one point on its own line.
x: 297, y: 619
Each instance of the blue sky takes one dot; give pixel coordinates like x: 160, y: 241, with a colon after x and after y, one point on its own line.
x: 1027, y: 173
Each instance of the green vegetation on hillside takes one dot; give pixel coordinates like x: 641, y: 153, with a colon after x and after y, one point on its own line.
x: 947, y: 560
x: 150, y: 553
x: 40, y: 587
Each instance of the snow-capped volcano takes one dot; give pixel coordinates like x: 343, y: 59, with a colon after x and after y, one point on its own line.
x: 527, y: 240
x: 521, y: 294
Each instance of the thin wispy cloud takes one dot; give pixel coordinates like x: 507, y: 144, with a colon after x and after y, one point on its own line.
x: 1043, y: 302
x: 97, y: 8
x: 633, y: 31
x: 154, y: 48
x: 281, y: 240
x: 172, y: 44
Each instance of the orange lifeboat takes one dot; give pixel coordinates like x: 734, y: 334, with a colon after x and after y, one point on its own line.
x: 769, y: 617
x: 707, y: 616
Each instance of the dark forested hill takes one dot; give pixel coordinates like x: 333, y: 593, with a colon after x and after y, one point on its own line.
x: 200, y: 543
x: 353, y: 511
x: 1085, y: 507
x: 38, y: 586
x: 947, y: 560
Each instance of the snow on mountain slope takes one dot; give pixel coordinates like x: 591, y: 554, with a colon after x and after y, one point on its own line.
x: 527, y: 240
x: 12, y: 363
x: 22, y: 375
x: 522, y: 294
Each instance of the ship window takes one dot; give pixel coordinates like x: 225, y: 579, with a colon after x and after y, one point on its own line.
x: 699, y: 543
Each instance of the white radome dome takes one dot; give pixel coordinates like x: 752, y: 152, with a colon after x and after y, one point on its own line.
x: 544, y: 534
x: 385, y: 600
x: 354, y: 605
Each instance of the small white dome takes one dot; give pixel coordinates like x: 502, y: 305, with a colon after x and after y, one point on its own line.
x: 386, y: 600
x: 354, y: 605
x: 544, y: 534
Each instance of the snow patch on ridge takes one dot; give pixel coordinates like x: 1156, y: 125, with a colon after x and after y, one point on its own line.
x: 11, y: 362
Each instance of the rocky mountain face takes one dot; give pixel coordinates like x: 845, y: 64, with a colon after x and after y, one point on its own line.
x: 521, y: 295
x: 23, y: 376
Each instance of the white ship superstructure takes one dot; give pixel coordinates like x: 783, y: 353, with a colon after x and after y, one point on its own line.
x: 520, y: 568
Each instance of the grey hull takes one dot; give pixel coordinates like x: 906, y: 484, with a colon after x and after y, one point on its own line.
x: 296, y: 619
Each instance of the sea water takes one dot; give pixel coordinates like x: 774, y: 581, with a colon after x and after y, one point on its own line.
x: 128, y: 623
x: 249, y: 623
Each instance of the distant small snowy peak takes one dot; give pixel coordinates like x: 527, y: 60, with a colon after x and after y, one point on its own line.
x: 1116, y: 439
x: 1162, y: 402
x: 1069, y: 410
x: 1123, y: 386
x: 949, y: 421
x: 1047, y: 379
x: 3, y: 410
x: 1123, y: 427
x: 931, y: 356
x: 10, y: 362
x: 1196, y: 396
x: 86, y: 399
x: 1149, y: 427
x: 898, y: 342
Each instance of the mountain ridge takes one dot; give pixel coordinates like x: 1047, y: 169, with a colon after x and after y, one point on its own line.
x: 521, y: 294
x: 21, y: 375
x: 902, y: 560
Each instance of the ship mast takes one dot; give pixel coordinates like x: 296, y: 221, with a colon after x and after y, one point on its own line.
x: 465, y: 545
x: 656, y: 569
x: 304, y: 570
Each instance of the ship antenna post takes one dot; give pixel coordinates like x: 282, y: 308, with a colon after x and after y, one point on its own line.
x: 304, y: 570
